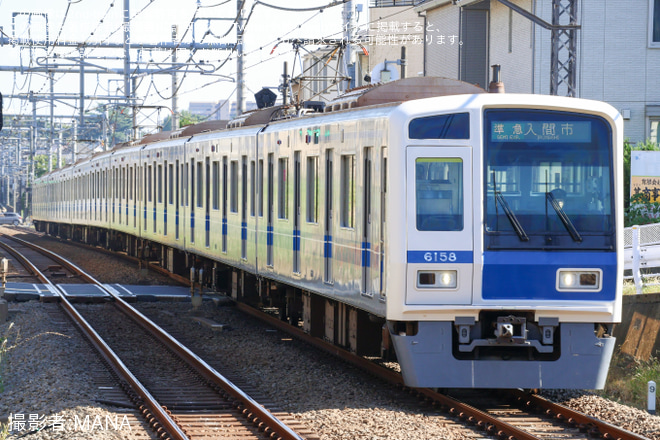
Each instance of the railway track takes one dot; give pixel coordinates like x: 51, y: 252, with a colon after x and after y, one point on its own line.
x: 190, y: 399
x: 511, y: 415
x: 507, y: 415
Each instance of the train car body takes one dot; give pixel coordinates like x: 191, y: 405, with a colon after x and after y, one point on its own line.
x: 481, y: 231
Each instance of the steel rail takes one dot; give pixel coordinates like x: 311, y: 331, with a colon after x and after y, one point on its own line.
x: 167, y: 424
x: 463, y: 411
x: 606, y: 430
x: 258, y: 411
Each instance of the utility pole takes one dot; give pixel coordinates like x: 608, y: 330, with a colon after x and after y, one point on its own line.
x: 349, y: 34
x: 52, y: 123
x: 82, y: 88
x: 285, y: 83
x: 74, y: 149
x: 240, y: 80
x: 127, y: 49
x: 175, y: 110
x: 59, y: 150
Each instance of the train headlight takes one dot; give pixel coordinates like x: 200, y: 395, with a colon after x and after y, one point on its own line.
x: 437, y: 279
x: 579, y: 279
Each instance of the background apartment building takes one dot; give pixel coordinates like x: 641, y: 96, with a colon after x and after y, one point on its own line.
x: 617, y: 48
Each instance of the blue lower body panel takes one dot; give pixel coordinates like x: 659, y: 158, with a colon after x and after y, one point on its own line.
x: 426, y: 360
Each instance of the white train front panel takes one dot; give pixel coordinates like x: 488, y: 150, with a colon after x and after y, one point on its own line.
x: 510, y: 255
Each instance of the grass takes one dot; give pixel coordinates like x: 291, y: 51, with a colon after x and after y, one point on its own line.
x: 4, y: 429
x: 629, y: 286
x: 628, y: 379
x: 3, y: 353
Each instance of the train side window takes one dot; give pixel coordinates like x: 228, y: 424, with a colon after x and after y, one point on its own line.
x: 216, y: 184
x: 439, y: 194
x: 347, y: 191
x: 233, y: 195
x: 160, y: 184
x: 149, y: 180
x: 261, y: 187
x: 453, y: 126
x: 192, y: 184
x: 312, y: 189
x: 171, y: 185
x: 253, y: 189
x: 200, y: 185
x: 282, y: 189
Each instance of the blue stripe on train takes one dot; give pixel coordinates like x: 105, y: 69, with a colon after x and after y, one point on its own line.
x: 366, y: 254
x: 533, y: 275
x: 269, y: 236
x: 327, y: 246
x: 296, y: 240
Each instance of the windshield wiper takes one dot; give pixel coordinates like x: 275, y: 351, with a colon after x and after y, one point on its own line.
x: 509, y: 213
x: 511, y: 216
x: 568, y: 224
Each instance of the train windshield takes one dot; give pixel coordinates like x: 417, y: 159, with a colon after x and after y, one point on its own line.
x: 548, y: 181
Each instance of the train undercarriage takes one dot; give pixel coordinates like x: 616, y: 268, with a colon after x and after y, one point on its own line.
x: 337, y: 323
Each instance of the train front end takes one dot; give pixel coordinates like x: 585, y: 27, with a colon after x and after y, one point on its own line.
x: 509, y: 272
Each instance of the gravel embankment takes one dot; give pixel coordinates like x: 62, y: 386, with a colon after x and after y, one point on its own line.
x: 46, y: 373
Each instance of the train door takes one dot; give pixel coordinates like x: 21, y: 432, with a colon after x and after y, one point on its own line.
x: 296, y: 212
x: 244, y: 202
x: 191, y: 186
x: 134, y: 189
x: 207, y: 202
x: 439, y: 231
x: 177, y: 199
x: 158, y: 171
x: 366, y: 224
x: 383, y: 215
x: 327, y: 248
x: 167, y: 176
x: 269, y: 212
x: 224, y: 202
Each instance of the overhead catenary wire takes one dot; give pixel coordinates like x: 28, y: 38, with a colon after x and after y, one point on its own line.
x: 315, y: 8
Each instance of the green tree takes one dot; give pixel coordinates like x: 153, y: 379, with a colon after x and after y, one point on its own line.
x: 41, y: 164
x: 185, y: 118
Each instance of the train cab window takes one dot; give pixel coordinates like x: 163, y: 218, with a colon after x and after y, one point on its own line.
x: 548, y: 180
x: 439, y: 194
x: 454, y: 126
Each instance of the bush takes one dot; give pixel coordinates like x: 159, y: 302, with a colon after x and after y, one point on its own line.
x: 641, y: 211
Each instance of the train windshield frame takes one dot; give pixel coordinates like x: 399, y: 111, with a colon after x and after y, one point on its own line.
x: 548, y: 180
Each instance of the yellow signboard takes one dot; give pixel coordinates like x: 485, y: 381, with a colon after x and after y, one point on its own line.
x: 645, y: 174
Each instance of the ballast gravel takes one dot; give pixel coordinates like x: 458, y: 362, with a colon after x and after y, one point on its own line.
x: 45, y: 372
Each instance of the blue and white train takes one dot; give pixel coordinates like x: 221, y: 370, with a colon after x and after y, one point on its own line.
x: 478, y: 235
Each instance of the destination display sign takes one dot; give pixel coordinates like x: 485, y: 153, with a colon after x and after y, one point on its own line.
x: 540, y: 131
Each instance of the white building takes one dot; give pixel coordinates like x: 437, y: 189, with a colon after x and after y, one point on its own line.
x: 618, y: 51
x: 202, y: 108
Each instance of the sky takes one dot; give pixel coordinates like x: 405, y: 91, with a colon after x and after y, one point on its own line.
x: 96, y: 20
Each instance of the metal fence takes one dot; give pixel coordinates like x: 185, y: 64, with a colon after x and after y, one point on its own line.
x: 642, y: 254
x: 391, y: 3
